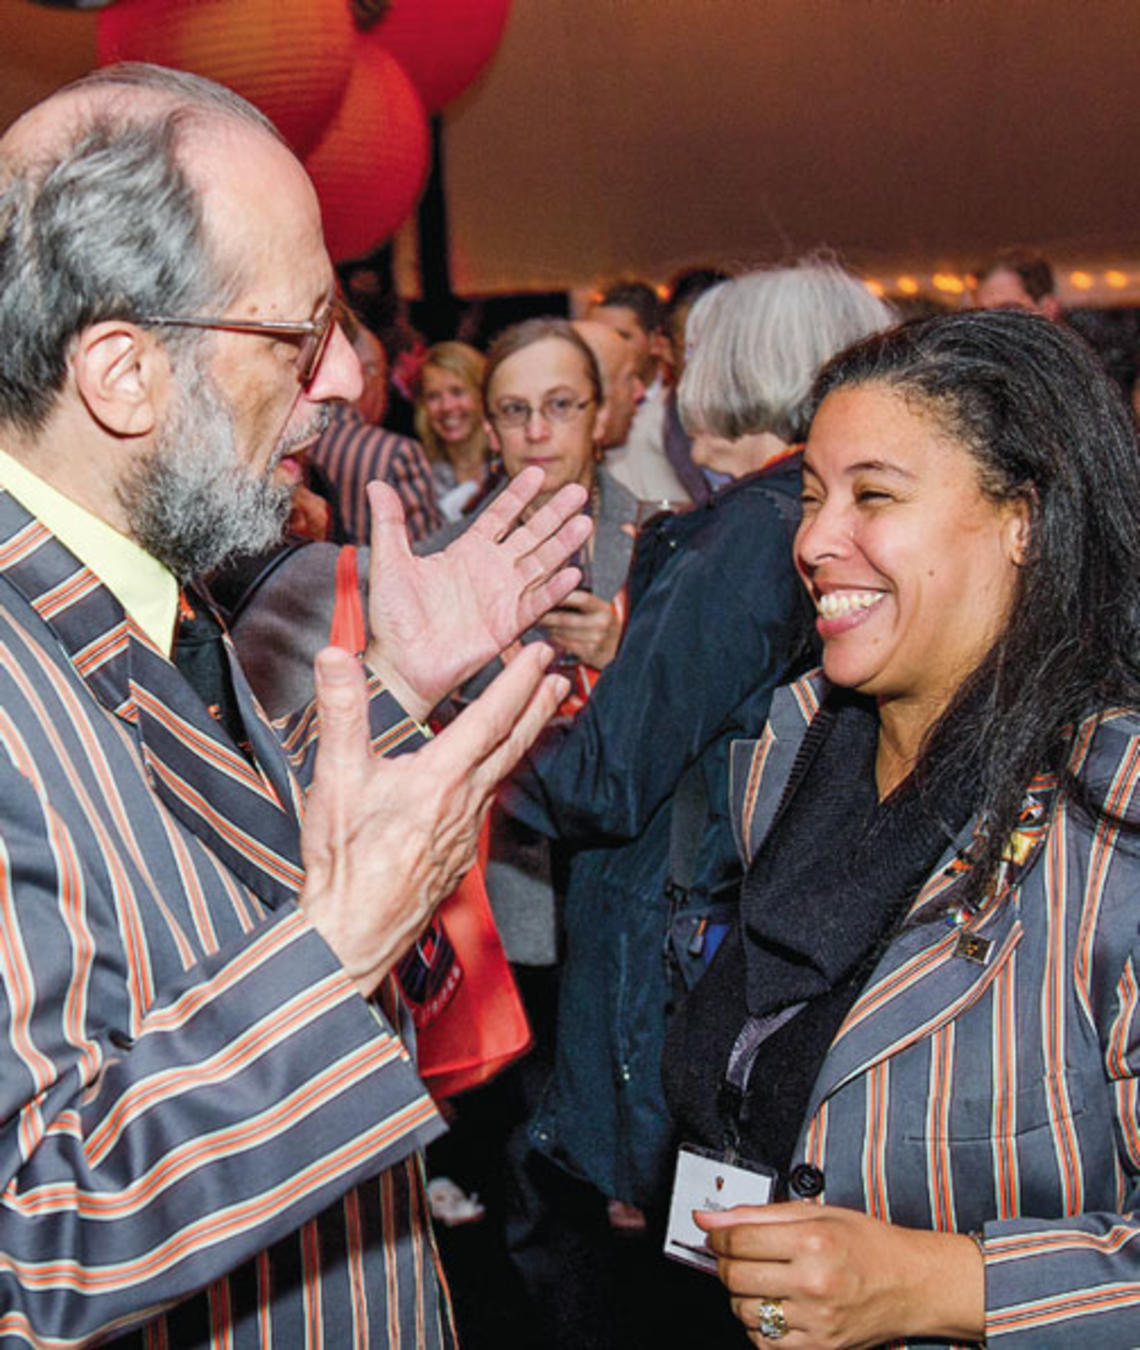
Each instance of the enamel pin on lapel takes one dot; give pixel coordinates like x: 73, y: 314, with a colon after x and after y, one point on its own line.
x: 972, y: 948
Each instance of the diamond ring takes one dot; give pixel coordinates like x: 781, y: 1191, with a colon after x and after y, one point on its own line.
x: 773, y: 1325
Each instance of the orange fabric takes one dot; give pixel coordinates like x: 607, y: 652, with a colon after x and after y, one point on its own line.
x: 584, y: 677
x: 348, y: 612
x: 484, y: 1026
x: 477, y: 1025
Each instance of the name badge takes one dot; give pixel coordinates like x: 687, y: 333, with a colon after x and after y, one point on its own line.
x: 704, y: 1179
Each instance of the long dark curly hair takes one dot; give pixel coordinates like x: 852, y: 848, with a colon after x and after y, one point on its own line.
x: 1030, y: 401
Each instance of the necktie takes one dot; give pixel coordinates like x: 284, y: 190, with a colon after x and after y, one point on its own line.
x: 200, y: 655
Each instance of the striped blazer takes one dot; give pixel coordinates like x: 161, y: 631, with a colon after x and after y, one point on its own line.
x: 986, y: 1078
x: 354, y: 453
x: 207, y: 1137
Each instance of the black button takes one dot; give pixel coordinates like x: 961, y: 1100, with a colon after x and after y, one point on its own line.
x: 120, y: 1040
x: 805, y: 1181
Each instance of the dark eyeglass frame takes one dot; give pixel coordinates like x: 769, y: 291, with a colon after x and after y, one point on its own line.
x: 514, y: 421
x: 314, y: 333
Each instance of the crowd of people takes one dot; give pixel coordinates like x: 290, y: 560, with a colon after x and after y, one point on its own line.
x: 772, y: 659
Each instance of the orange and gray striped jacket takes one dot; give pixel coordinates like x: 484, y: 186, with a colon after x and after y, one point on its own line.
x: 208, y: 1138
x: 986, y: 1078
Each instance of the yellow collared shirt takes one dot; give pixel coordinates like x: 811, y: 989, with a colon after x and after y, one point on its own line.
x: 143, y: 586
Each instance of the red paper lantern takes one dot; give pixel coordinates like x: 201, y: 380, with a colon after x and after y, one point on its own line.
x: 371, y: 164
x: 291, y: 58
x: 442, y: 44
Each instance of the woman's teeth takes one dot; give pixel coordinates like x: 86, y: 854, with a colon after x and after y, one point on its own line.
x: 835, y: 604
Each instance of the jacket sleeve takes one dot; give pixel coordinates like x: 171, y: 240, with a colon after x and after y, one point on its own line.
x: 719, y: 622
x: 1052, y: 1284
x: 160, y: 1128
x: 1056, y: 1283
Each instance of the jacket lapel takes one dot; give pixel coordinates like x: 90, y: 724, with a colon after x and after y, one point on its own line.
x: 935, y: 970
x: 246, y: 815
x: 932, y: 970
x: 759, y: 771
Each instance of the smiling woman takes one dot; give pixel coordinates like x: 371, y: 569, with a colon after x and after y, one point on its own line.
x: 925, y: 1019
x: 911, y: 565
x: 450, y: 425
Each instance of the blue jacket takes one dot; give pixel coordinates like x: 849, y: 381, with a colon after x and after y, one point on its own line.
x: 998, y: 1093
x: 718, y: 622
x: 197, y: 1108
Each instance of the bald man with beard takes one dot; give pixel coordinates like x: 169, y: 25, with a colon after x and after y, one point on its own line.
x: 212, y: 1122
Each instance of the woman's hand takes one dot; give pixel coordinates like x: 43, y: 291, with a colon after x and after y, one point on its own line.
x: 587, y: 627
x: 843, y: 1279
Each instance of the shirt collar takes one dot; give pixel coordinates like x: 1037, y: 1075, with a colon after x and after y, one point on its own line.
x: 146, y: 589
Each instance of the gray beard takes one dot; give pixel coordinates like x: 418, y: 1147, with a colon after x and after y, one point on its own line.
x: 192, y: 502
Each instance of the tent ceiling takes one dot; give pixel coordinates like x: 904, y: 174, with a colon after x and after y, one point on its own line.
x: 639, y: 135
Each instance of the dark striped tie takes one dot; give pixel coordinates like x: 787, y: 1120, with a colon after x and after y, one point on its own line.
x: 200, y: 656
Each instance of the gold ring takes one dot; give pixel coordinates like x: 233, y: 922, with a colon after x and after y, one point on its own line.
x: 773, y: 1325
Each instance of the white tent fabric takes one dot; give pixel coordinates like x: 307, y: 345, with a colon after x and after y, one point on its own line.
x: 639, y: 135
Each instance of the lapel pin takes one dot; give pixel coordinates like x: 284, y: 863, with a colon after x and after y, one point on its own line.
x: 972, y: 948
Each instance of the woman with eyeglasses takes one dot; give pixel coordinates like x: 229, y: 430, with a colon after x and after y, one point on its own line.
x: 542, y: 392
x: 543, y: 397
x: 543, y: 400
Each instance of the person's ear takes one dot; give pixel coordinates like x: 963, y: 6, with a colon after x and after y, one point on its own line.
x: 1018, y: 529
x: 601, y: 425
x: 121, y: 374
x: 1050, y: 306
x: 492, y: 436
x: 661, y: 347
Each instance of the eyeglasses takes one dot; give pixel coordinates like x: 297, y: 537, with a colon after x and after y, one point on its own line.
x: 513, y: 412
x: 314, y: 334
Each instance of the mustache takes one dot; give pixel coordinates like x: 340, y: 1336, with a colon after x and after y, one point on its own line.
x: 311, y: 431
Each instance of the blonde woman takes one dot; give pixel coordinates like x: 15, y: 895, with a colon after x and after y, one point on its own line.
x: 449, y: 424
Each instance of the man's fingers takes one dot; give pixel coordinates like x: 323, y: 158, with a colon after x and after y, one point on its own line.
x: 496, y: 521
x: 550, y: 520
x: 581, y: 602
x: 342, y: 706
x: 545, y: 596
x: 546, y: 556
x: 500, y: 514
x: 544, y: 703
x: 389, y: 532
x: 518, y: 696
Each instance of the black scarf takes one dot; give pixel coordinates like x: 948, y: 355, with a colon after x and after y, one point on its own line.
x: 824, y: 895
x: 839, y: 868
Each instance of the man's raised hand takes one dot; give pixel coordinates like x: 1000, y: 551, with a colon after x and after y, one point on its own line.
x: 436, y: 620
x: 385, y: 840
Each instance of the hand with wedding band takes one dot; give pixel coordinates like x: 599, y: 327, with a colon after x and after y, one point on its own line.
x: 828, y: 1278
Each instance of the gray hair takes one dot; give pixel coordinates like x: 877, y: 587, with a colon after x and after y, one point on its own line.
x: 105, y: 225
x: 759, y: 341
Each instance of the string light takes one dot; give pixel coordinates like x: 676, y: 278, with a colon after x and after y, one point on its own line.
x: 948, y: 282
x: 1123, y: 280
